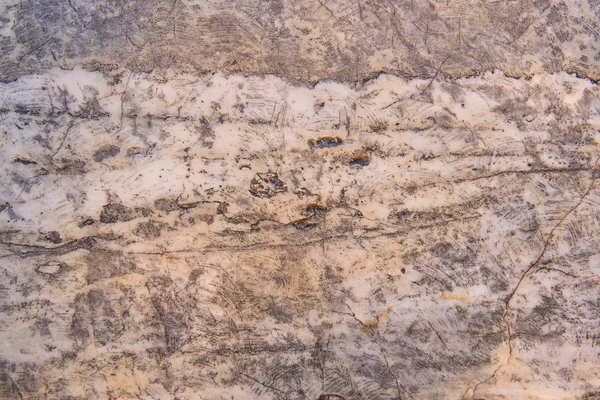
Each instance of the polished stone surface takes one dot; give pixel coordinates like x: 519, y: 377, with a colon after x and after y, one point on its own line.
x: 205, y: 213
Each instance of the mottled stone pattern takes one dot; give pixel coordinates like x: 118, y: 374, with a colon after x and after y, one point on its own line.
x: 304, y: 40
x: 324, y: 200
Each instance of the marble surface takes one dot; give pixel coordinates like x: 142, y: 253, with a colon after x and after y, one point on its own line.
x: 299, y: 200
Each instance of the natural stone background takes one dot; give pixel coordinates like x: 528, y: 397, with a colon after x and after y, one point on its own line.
x: 299, y: 200
x: 303, y: 40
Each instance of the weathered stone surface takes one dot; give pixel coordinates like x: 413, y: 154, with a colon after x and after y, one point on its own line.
x: 302, y: 40
x: 299, y: 200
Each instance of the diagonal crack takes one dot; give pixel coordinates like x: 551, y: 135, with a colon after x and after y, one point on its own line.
x: 327, y: 8
x: 533, y: 268
x: 438, y: 334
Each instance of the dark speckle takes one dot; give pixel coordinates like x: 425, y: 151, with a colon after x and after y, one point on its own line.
x: 53, y: 237
x: 316, y: 209
x: 323, y: 142
x: 359, y: 160
x: 87, y: 222
x: 304, y: 224
x: 24, y: 161
x: 265, y: 185
x: 106, y: 152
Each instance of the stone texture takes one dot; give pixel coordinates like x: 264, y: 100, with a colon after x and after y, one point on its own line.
x: 303, y: 40
x: 299, y: 200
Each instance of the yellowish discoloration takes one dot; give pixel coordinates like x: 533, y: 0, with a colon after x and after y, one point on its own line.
x: 459, y: 297
x: 369, y: 326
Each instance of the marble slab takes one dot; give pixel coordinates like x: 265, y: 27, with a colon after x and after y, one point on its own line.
x: 225, y: 203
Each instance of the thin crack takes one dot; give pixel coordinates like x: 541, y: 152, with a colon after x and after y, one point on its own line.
x: 438, y: 335
x: 36, y: 49
x: 508, y: 172
x: 75, y: 9
x: 254, y: 246
x: 16, y: 387
x: 63, y: 140
x: 30, y: 250
x: 398, y: 384
x: 437, y: 72
x: 530, y: 270
x: 351, y: 314
x: 327, y: 8
x: 123, y: 98
x: 556, y: 270
x: 551, y: 236
x: 312, y: 242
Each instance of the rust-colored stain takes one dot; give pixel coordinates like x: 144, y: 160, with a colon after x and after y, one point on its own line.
x: 462, y: 298
x: 370, y: 325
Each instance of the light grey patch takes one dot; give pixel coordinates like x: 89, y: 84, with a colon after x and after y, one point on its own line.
x: 104, y: 264
x: 51, y: 268
x: 106, y: 325
x: 150, y: 229
x: 81, y: 321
